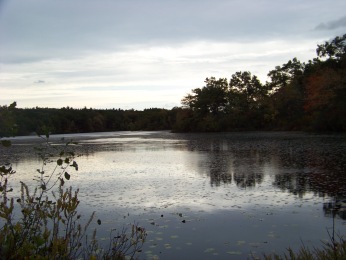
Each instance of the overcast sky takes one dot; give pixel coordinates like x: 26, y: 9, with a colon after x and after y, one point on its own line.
x: 149, y: 53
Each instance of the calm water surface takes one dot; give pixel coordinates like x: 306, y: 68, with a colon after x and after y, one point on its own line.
x: 209, y: 196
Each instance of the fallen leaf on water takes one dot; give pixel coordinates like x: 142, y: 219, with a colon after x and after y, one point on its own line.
x: 209, y: 250
x: 234, y: 252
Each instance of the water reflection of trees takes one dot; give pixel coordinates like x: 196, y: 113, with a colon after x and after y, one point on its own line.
x: 248, y: 168
x: 296, y: 183
x: 335, y: 207
x: 225, y: 167
x: 226, y: 171
x: 218, y: 169
x: 226, y: 162
x: 298, y: 164
x: 317, y: 171
x: 247, y: 179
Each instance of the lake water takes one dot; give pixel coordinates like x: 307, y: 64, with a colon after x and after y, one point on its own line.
x: 208, y: 196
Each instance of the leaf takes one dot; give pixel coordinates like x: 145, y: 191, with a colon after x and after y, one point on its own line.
x: 75, y: 165
x: 59, y: 162
x: 6, y: 143
x: 234, y: 252
x: 209, y: 250
x: 67, y: 176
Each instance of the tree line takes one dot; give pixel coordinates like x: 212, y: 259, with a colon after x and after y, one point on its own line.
x: 298, y: 96
x: 69, y: 120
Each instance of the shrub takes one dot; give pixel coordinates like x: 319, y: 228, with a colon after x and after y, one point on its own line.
x: 45, y: 223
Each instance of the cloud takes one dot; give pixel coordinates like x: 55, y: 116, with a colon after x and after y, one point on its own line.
x: 148, y: 53
x: 332, y: 25
x: 36, y: 30
x: 39, y: 82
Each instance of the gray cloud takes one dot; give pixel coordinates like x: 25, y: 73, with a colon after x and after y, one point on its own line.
x: 39, y: 82
x: 113, y: 47
x: 34, y: 30
x: 332, y: 25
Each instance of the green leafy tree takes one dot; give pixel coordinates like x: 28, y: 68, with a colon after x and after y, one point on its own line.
x: 334, y: 49
x: 212, y: 98
x: 287, y: 93
x: 8, y: 126
x: 247, y: 101
x: 247, y: 84
x: 283, y: 75
x: 325, y: 103
x: 207, y: 107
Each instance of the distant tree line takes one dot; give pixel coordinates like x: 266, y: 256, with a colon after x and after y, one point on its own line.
x: 298, y: 96
x: 69, y: 120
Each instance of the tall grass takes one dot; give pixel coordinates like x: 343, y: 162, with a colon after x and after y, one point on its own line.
x: 329, y: 251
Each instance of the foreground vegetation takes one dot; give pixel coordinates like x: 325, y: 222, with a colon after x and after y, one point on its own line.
x: 330, y: 251
x: 44, y: 222
x: 298, y: 96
